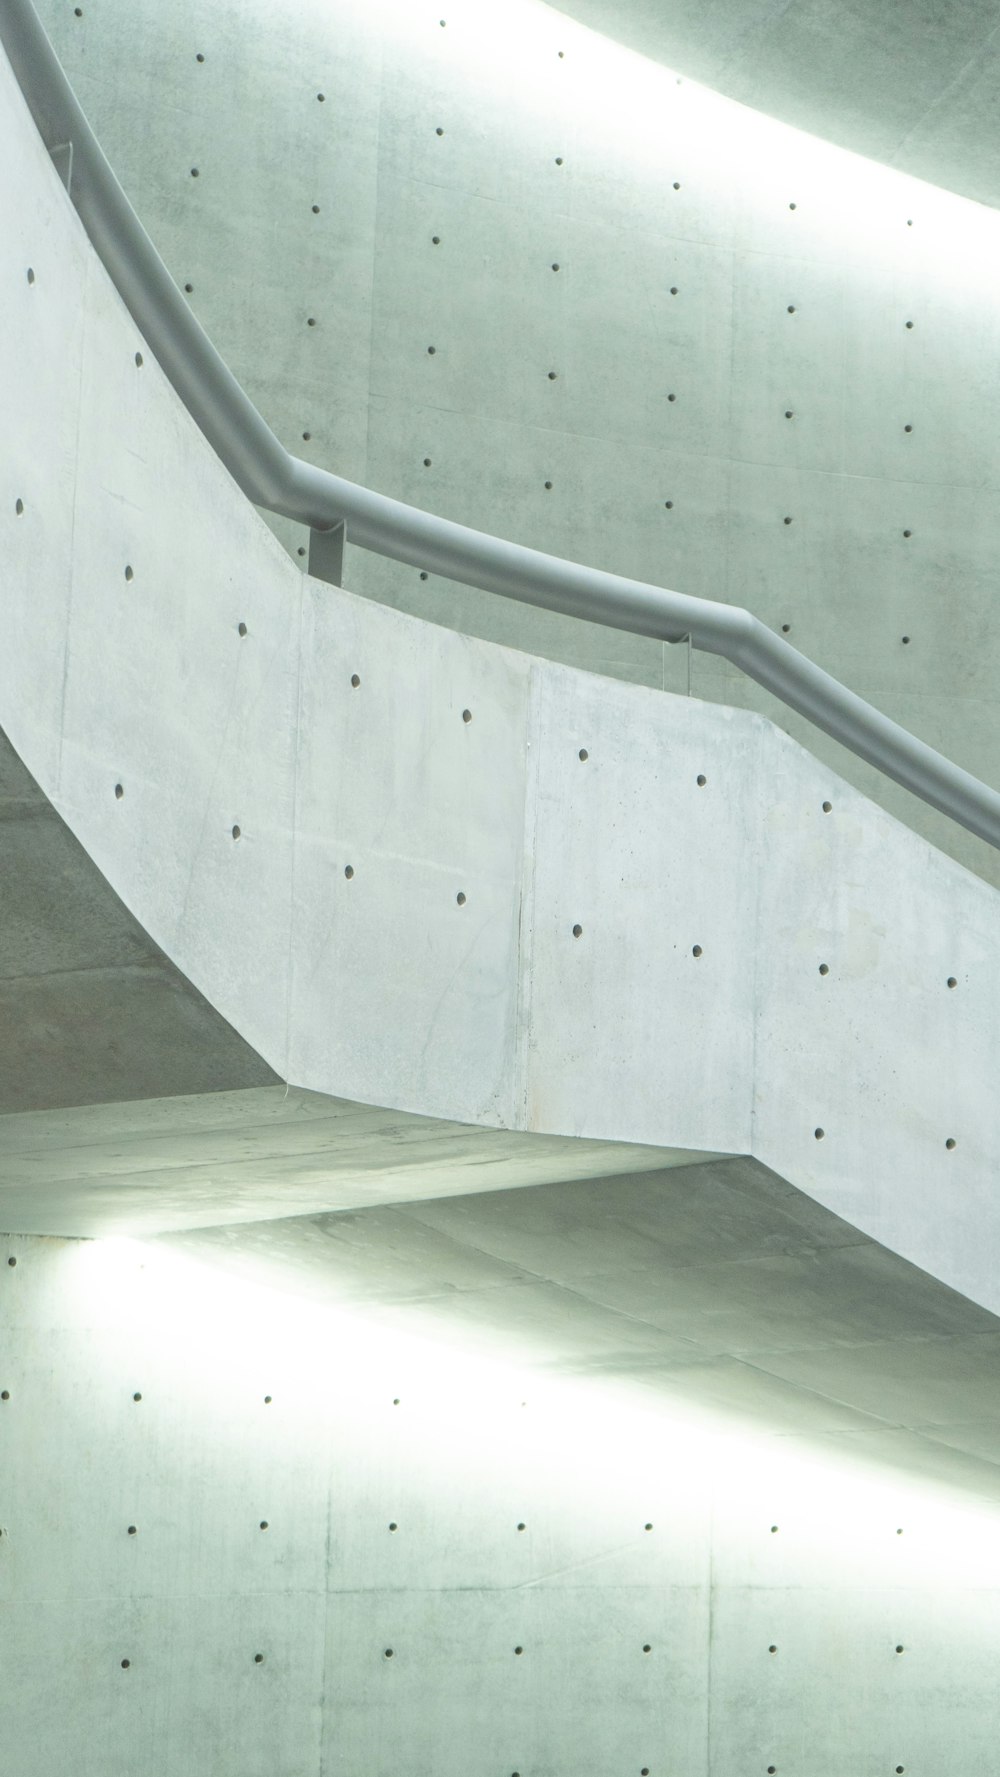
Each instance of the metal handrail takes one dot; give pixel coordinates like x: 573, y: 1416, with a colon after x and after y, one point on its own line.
x: 272, y: 478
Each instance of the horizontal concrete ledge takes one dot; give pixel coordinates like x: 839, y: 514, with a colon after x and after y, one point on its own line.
x: 257, y: 1155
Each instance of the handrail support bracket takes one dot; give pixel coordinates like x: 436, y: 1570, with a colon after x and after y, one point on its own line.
x: 326, y: 554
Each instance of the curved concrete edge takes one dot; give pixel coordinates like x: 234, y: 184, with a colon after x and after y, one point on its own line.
x: 91, y: 1012
x: 378, y: 882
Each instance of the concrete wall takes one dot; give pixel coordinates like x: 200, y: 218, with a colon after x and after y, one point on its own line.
x: 251, y: 1539
x: 423, y: 201
x: 414, y: 890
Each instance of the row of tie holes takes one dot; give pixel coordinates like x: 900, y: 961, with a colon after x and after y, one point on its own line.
x: 130, y: 573
x: 583, y: 755
x: 552, y: 375
x: 467, y: 717
x: 264, y: 1525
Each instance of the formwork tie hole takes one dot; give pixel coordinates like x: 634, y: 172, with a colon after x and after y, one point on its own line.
x: 19, y: 507
x: 827, y: 807
x: 466, y: 715
x: 824, y: 968
x: 241, y: 629
x: 583, y: 754
x: 264, y: 1524
x: 460, y: 898
x: 237, y: 832
x: 129, y: 573
x: 951, y: 981
x: 819, y: 1134
x: 355, y: 681
x: 696, y: 950
x: 950, y: 1143
x: 31, y: 274
x: 349, y: 871
x: 578, y: 931
x: 138, y: 360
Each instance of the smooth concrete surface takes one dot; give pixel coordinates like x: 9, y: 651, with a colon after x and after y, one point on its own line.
x: 912, y: 84
x: 414, y: 890
x: 244, y: 1535
x: 718, y: 1286
x: 195, y: 1161
x: 330, y: 244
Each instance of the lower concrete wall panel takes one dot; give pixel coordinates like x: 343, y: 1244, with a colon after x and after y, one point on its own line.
x: 243, y: 1536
